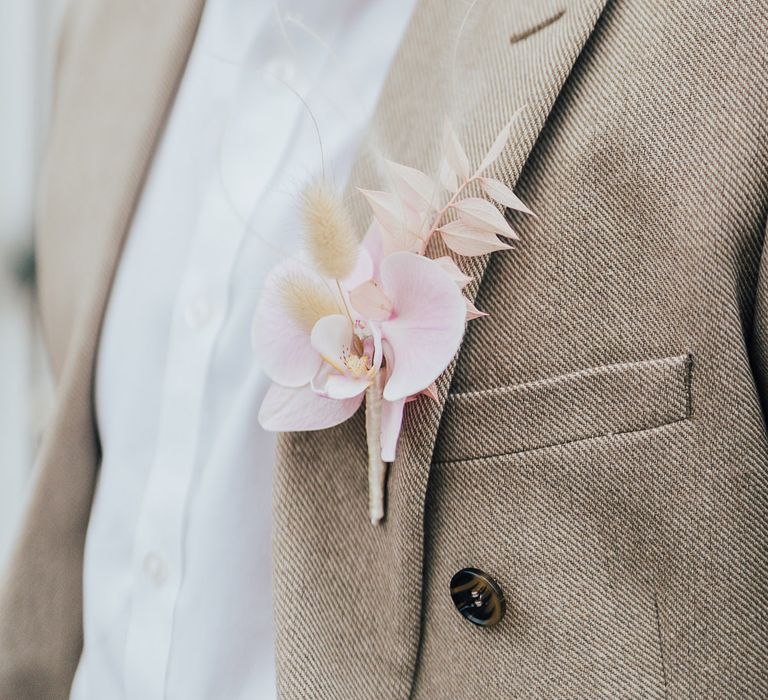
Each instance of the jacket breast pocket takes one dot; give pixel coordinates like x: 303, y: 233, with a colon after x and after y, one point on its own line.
x: 575, y: 495
x: 609, y: 400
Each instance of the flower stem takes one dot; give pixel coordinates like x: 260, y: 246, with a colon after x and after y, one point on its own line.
x: 344, y: 302
x: 377, y: 468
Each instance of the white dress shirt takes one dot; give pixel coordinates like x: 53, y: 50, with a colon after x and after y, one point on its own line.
x: 177, y: 574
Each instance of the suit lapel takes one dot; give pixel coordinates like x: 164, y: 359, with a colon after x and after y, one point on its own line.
x: 519, y: 55
x: 510, y: 53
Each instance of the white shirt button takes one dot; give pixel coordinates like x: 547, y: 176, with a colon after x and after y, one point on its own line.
x: 198, y: 313
x: 155, y: 568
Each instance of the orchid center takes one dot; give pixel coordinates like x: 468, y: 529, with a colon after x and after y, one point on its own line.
x: 358, y: 365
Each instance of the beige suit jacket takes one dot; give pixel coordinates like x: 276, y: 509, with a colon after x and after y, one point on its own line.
x: 599, y: 445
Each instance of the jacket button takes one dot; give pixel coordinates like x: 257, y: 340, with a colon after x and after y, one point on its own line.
x: 477, y: 597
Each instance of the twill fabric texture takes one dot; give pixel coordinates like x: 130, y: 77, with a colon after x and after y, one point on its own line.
x: 599, y: 444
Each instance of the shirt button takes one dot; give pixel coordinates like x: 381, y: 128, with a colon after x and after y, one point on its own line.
x: 155, y: 568
x: 477, y: 597
x: 198, y: 313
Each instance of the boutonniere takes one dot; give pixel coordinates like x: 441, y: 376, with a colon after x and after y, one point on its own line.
x: 348, y: 321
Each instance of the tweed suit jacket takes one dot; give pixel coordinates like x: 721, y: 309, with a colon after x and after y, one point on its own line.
x: 599, y: 444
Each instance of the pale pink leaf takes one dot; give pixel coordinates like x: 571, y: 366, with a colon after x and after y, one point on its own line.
x: 400, y: 223
x: 473, y: 312
x: 470, y: 242
x: 370, y: 302
x: 455, y: 154
x: 447, y: 177
x: 498, y: 144
x: 481, y: 214
x: 450, y: 266
x: 414, y: 187
x: 431, y: 392
x: 389, y: 210
x: 497, y: 190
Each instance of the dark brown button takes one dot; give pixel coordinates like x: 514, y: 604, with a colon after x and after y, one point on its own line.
x: 478, y: 597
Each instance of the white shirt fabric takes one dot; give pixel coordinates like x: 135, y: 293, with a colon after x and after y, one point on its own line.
x: 177, y: 580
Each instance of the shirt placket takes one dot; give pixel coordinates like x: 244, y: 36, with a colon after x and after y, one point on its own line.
x: 199, y: 314
x: 158, y: 563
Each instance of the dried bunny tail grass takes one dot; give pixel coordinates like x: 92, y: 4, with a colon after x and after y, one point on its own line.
x: 330, y: 237
x: 306, y: 300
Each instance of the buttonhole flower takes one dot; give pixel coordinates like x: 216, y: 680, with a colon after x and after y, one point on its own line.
x: 346, y: 322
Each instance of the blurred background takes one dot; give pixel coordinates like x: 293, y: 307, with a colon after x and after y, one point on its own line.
x: 28, y: 39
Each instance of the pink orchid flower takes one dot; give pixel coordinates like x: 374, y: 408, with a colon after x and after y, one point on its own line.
x: 400, y: 321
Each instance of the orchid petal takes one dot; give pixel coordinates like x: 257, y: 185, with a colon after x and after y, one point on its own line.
x: 389, y: 357
x: 373, y: 242
x: 287, y: 409
x: 391, y: 424
x: 370, y: 302
x: 362, y: 271
x: 377, y: 343
x: 329, y: 383
x: 339, y: 386
x: 332, y: 338
x: 321, y: 378
x: 428, y: 324
x: 282, y: 347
